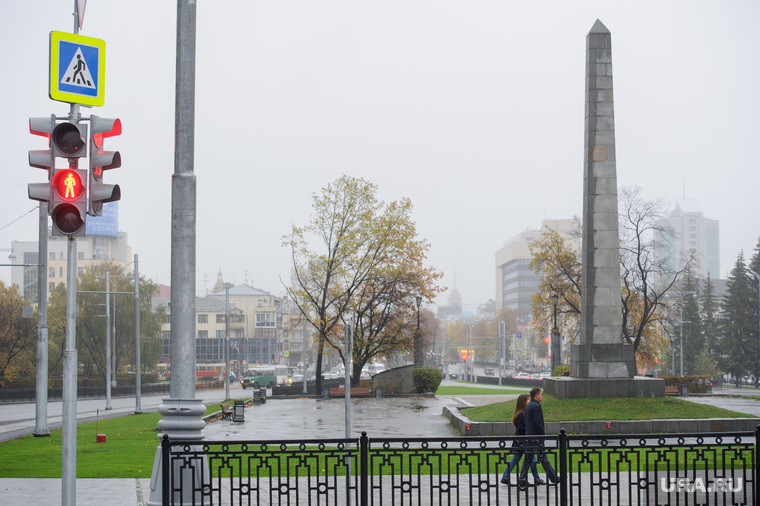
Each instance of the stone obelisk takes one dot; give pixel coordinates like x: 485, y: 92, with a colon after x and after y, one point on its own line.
x: 600, y: 364
x: 600, y: 353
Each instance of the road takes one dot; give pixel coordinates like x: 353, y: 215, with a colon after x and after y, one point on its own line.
x: 18, y: 420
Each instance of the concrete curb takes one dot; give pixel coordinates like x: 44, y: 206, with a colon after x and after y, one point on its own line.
x: 467, y: 427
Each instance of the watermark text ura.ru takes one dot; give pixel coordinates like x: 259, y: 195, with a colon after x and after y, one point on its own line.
x: 698, y: 485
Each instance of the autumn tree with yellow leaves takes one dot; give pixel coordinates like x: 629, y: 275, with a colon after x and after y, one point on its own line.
x: 645, y: 278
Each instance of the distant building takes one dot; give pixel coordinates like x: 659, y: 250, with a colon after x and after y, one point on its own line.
x: 91, y: 250
x: 454, y: 307
x: 516, y: 282
x: 693, y: 236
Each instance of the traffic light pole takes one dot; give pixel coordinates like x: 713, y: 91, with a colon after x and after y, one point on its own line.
x: 41, y: 384
x: 69, y: 420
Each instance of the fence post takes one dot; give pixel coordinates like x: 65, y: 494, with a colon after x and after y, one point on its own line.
x: 364, y: 469
x: 165, y: 475
x: 756, y: 473
x: 563, y: 470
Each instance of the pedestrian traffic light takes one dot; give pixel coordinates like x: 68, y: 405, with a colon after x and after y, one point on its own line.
x: 101, y: 160
x: 69, y: 202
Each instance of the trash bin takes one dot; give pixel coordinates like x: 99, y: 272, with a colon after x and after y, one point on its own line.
x: 684, y: 389
x: 325, y: 393
x: 378, y: 392
x: 263, y: 395
x: 238, y: 415
x: 256, y: 396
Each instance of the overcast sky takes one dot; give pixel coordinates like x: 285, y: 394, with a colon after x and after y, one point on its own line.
x: 472, y: 109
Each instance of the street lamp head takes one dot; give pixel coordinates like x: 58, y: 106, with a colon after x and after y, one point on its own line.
x: 12, y: 257
x: 555, y: 300
x: 419, y: 301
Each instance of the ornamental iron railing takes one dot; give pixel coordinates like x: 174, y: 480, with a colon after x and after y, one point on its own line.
x: 637, y: 469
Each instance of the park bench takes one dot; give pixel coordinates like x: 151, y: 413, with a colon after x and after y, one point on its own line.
x: 671, y: 390
x: 355, y: 392
x: 227, y: 412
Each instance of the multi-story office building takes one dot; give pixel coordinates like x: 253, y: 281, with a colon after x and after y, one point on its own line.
x: 103, y: 243
x: 688, y: 234
x: 516, y: 282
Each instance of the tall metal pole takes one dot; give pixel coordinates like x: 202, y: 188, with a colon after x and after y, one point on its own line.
x: 226, y: 341
x: 681, y: 337
x: 70, y: 362
x: 108, y: 339
x: 41, y: 384
x: 347, y: 384
x: 184, y: 210
x: 181, y: 413
x: 138, y: 359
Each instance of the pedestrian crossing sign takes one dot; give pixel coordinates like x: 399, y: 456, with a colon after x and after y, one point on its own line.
x: 77, y: 69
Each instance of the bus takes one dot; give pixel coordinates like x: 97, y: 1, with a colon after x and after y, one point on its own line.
x: 202, y: 371
x: 264, y: 376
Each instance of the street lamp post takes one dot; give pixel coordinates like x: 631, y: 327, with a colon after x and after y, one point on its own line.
x: 556, y: 351
x: 418, y: 359
x: 226, y: 341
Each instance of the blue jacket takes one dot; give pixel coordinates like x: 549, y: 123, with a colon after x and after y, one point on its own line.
x: 534, y: 419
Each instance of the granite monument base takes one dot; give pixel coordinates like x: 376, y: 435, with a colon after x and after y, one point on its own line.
x: 567, y: 387
x: 602, y: 361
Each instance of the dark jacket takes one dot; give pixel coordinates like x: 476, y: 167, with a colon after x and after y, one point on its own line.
x: 519, y: 429
x: 534, y: 419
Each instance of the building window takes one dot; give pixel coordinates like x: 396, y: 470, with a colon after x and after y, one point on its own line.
x: 220, y: 334
x: 166, y: 334
x: 202, y: 318
x: 51, y: 272
x: 239, y: 333
x: 80, y: 255
x: 51, y: 287
x: 168, y: 318
x: 265, y: 319
x: 236, y: 318
x: 60, y: 272
x: 203, y: 334
x: 220, y: 318
x: 51, y: 255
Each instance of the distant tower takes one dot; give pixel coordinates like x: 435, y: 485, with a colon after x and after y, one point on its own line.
x: 219, y: 285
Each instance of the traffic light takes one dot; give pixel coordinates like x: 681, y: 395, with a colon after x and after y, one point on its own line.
x: 101, y: 160
x: 69, y: 202
x: 65, y: 193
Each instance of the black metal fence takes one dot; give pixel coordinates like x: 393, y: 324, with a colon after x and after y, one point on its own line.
x: 636, y: 469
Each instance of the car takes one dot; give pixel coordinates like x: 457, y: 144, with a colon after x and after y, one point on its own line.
x: 297, y: 378
x: 522, y: 375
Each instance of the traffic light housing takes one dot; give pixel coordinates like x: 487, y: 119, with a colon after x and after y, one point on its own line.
x: 42, y: 158
x: 69, y: 202
x: 101, y: 160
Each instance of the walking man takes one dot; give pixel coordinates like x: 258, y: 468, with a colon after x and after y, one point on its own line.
x: 534, y: 425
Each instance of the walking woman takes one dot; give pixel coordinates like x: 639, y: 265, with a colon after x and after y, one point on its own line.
x: 518, y: 420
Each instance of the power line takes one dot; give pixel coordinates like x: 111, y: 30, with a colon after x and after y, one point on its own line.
x: 14, y: 221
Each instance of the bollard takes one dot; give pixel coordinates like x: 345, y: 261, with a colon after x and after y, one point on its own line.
x: 256, y: 396
x: 263, y: 395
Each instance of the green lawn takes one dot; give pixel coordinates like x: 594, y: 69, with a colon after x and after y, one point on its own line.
x: 557, y: 410
x: 128, y: 452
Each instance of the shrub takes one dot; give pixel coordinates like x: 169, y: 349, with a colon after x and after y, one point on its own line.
x: 561, y: 370
x: 426, y: 379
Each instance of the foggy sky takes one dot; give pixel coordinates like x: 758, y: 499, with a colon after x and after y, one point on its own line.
x: 473, y: 110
